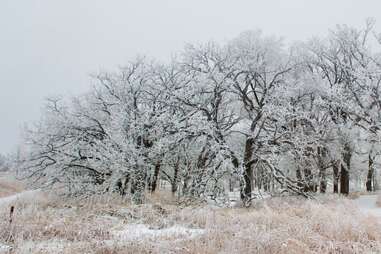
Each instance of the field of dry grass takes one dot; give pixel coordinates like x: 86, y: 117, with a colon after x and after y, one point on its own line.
x: 109, y: 224
x: 45, y: 223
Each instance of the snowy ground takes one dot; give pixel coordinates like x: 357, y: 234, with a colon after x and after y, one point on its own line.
x: 367, y: 204
x: 137, y: 232
x: 30, y: 194
x: 4, y: 248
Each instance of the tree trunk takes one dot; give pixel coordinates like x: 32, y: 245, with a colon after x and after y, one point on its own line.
x: 248, y: 172
x: 231, y: 187
x: 323, y: 181
x: 369, y: 178
x: 122, y: 184
x: 258, y: 181
x: 374, y: 181
x: 175, y: 176
x: 299, y: 177
x: 344, y: 181
x: 322, y: 156
x: 138, y: 184
x: 308, y: 180
x: 197, y: 186
x: 155, y: 178
x: 344, y: 174
x: 335, y: 177
x: 185, y: 185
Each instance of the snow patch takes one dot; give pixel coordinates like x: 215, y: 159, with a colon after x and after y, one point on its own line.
x: 135, y: 232
x: 368, y: 206
x: 48, y: 246
x: 22, y: 195
x: 5, y: 248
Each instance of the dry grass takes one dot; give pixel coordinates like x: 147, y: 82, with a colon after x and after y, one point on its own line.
x: 356, y: 194
x: 290, y: 225
x: 9, y: 186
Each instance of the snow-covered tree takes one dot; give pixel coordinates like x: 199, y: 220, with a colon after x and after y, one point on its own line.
x: 249, y: 114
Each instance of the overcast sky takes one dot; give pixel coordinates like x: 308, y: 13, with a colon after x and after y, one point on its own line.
x: 50, y: 47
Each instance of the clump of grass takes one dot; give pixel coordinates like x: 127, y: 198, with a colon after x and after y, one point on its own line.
x: 47, y: 217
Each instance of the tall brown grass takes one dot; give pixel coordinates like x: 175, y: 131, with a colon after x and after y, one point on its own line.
x: 49, y: 224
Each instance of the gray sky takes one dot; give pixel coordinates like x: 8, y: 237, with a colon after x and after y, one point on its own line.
x: 49, y: 47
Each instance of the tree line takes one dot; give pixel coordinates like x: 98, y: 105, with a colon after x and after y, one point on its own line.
x: 250, y: 114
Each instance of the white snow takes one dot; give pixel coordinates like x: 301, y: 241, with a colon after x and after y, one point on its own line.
x: 4, y: 248
x: 135, y: 232
x: 47, y: 246
x: 367, y: 205
x: 22, y: 195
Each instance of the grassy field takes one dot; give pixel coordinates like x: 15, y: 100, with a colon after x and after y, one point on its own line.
x: 44, y: 223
